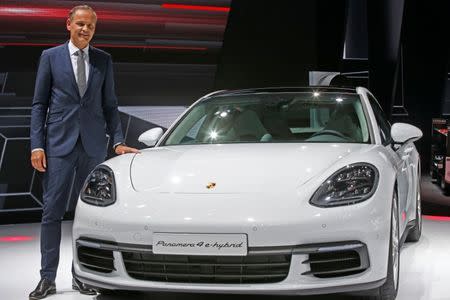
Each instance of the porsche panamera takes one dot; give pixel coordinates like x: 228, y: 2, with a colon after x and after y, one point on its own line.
x: 289, y: 191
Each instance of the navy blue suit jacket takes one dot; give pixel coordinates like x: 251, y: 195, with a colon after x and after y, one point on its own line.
x: 59, y: 115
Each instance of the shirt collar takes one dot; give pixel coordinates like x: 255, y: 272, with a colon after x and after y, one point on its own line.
x: 73, y: 49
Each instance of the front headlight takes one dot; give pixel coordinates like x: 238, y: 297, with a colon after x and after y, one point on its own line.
x: 349, y: 185
x: 99, y: 187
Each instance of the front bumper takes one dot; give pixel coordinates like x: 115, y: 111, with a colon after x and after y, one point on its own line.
x: 116, y: 275
x: 132, y: 224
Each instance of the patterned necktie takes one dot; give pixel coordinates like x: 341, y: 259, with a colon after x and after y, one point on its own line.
x: 81, y: 72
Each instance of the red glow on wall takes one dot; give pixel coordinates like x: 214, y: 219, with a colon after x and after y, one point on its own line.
x: 182, y: 48
x: 437, y: 218
x: 40, y: 12
x: 196, y: 7
x: 151, y: 47
x: 18, y: 238
x: 112, y: 15
x: 29, y: 44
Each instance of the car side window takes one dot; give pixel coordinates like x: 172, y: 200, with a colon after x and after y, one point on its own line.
x: 383, y: 124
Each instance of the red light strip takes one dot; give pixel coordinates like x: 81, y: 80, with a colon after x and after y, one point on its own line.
x: 152, y: 47
x: 112, y: 46
x: 29, y: 44
x: 107, y: 15
x: 437, y: 218
x: 195, y: 7
x: 12, y: 239
x: 39, y: 12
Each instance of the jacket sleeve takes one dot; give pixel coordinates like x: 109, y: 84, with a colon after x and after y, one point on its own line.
x: 41, y: 98
x: 110, y: 110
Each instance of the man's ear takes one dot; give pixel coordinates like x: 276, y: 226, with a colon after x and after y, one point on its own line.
x: 68, y: 24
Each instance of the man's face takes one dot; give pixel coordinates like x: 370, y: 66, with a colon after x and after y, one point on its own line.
x: 82, y: 27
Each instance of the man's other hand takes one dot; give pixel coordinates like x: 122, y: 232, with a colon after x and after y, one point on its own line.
x: 38, y: 160
x: 122, y: 149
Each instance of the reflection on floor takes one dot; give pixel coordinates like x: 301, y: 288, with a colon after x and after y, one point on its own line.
x: 424, y: 275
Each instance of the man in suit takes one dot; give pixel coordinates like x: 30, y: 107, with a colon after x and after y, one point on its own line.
x: 74, y: 107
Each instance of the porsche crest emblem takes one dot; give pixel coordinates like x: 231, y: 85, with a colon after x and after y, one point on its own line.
x: 211, y: 185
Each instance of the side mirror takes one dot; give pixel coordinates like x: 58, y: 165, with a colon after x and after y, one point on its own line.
x: 402, y: 133
x: 150, y: 137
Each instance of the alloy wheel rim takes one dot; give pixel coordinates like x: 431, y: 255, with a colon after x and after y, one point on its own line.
x: 395, y: 243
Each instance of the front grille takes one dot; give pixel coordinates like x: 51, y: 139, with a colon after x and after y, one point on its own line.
x: 99, y: 260
x: 336, y: 261
x: 207, y: 269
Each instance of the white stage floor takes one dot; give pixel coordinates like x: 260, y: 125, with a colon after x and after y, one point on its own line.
x: 425, y: 268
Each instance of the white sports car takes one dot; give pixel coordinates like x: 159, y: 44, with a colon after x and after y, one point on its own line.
x: 264, y: 191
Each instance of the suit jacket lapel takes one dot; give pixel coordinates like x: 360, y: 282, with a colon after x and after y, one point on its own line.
x: 67, y: 61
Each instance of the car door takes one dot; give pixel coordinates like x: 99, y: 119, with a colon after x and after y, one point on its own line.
x: 403, y: 157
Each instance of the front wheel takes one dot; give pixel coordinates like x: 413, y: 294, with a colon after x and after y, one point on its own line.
x: 388, y: 291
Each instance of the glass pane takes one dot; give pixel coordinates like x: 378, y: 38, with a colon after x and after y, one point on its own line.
x: 274, y: 117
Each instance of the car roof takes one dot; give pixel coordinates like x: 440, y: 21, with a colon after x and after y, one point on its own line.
x: 285, y: 90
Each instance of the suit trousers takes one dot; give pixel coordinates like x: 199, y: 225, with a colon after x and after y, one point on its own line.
x: 57, y: 182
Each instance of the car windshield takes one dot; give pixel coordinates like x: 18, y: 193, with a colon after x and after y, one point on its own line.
x: 306, y: 117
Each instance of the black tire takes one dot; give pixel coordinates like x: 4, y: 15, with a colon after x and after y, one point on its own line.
x: 416, y: 232
x: 388, y: 291
x: 438, y: 179
x: 444, y: 186
x: 433, y: 174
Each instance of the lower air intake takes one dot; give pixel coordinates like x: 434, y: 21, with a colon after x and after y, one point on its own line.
x: 207, y: 269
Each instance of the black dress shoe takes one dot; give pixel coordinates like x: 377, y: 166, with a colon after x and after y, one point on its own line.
x: 44, y: 288
x: 82, y: 288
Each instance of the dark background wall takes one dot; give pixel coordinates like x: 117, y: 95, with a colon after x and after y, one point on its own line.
x: 277, y: 44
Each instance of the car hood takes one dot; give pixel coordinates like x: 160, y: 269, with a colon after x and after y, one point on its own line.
x: 233, y: 168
